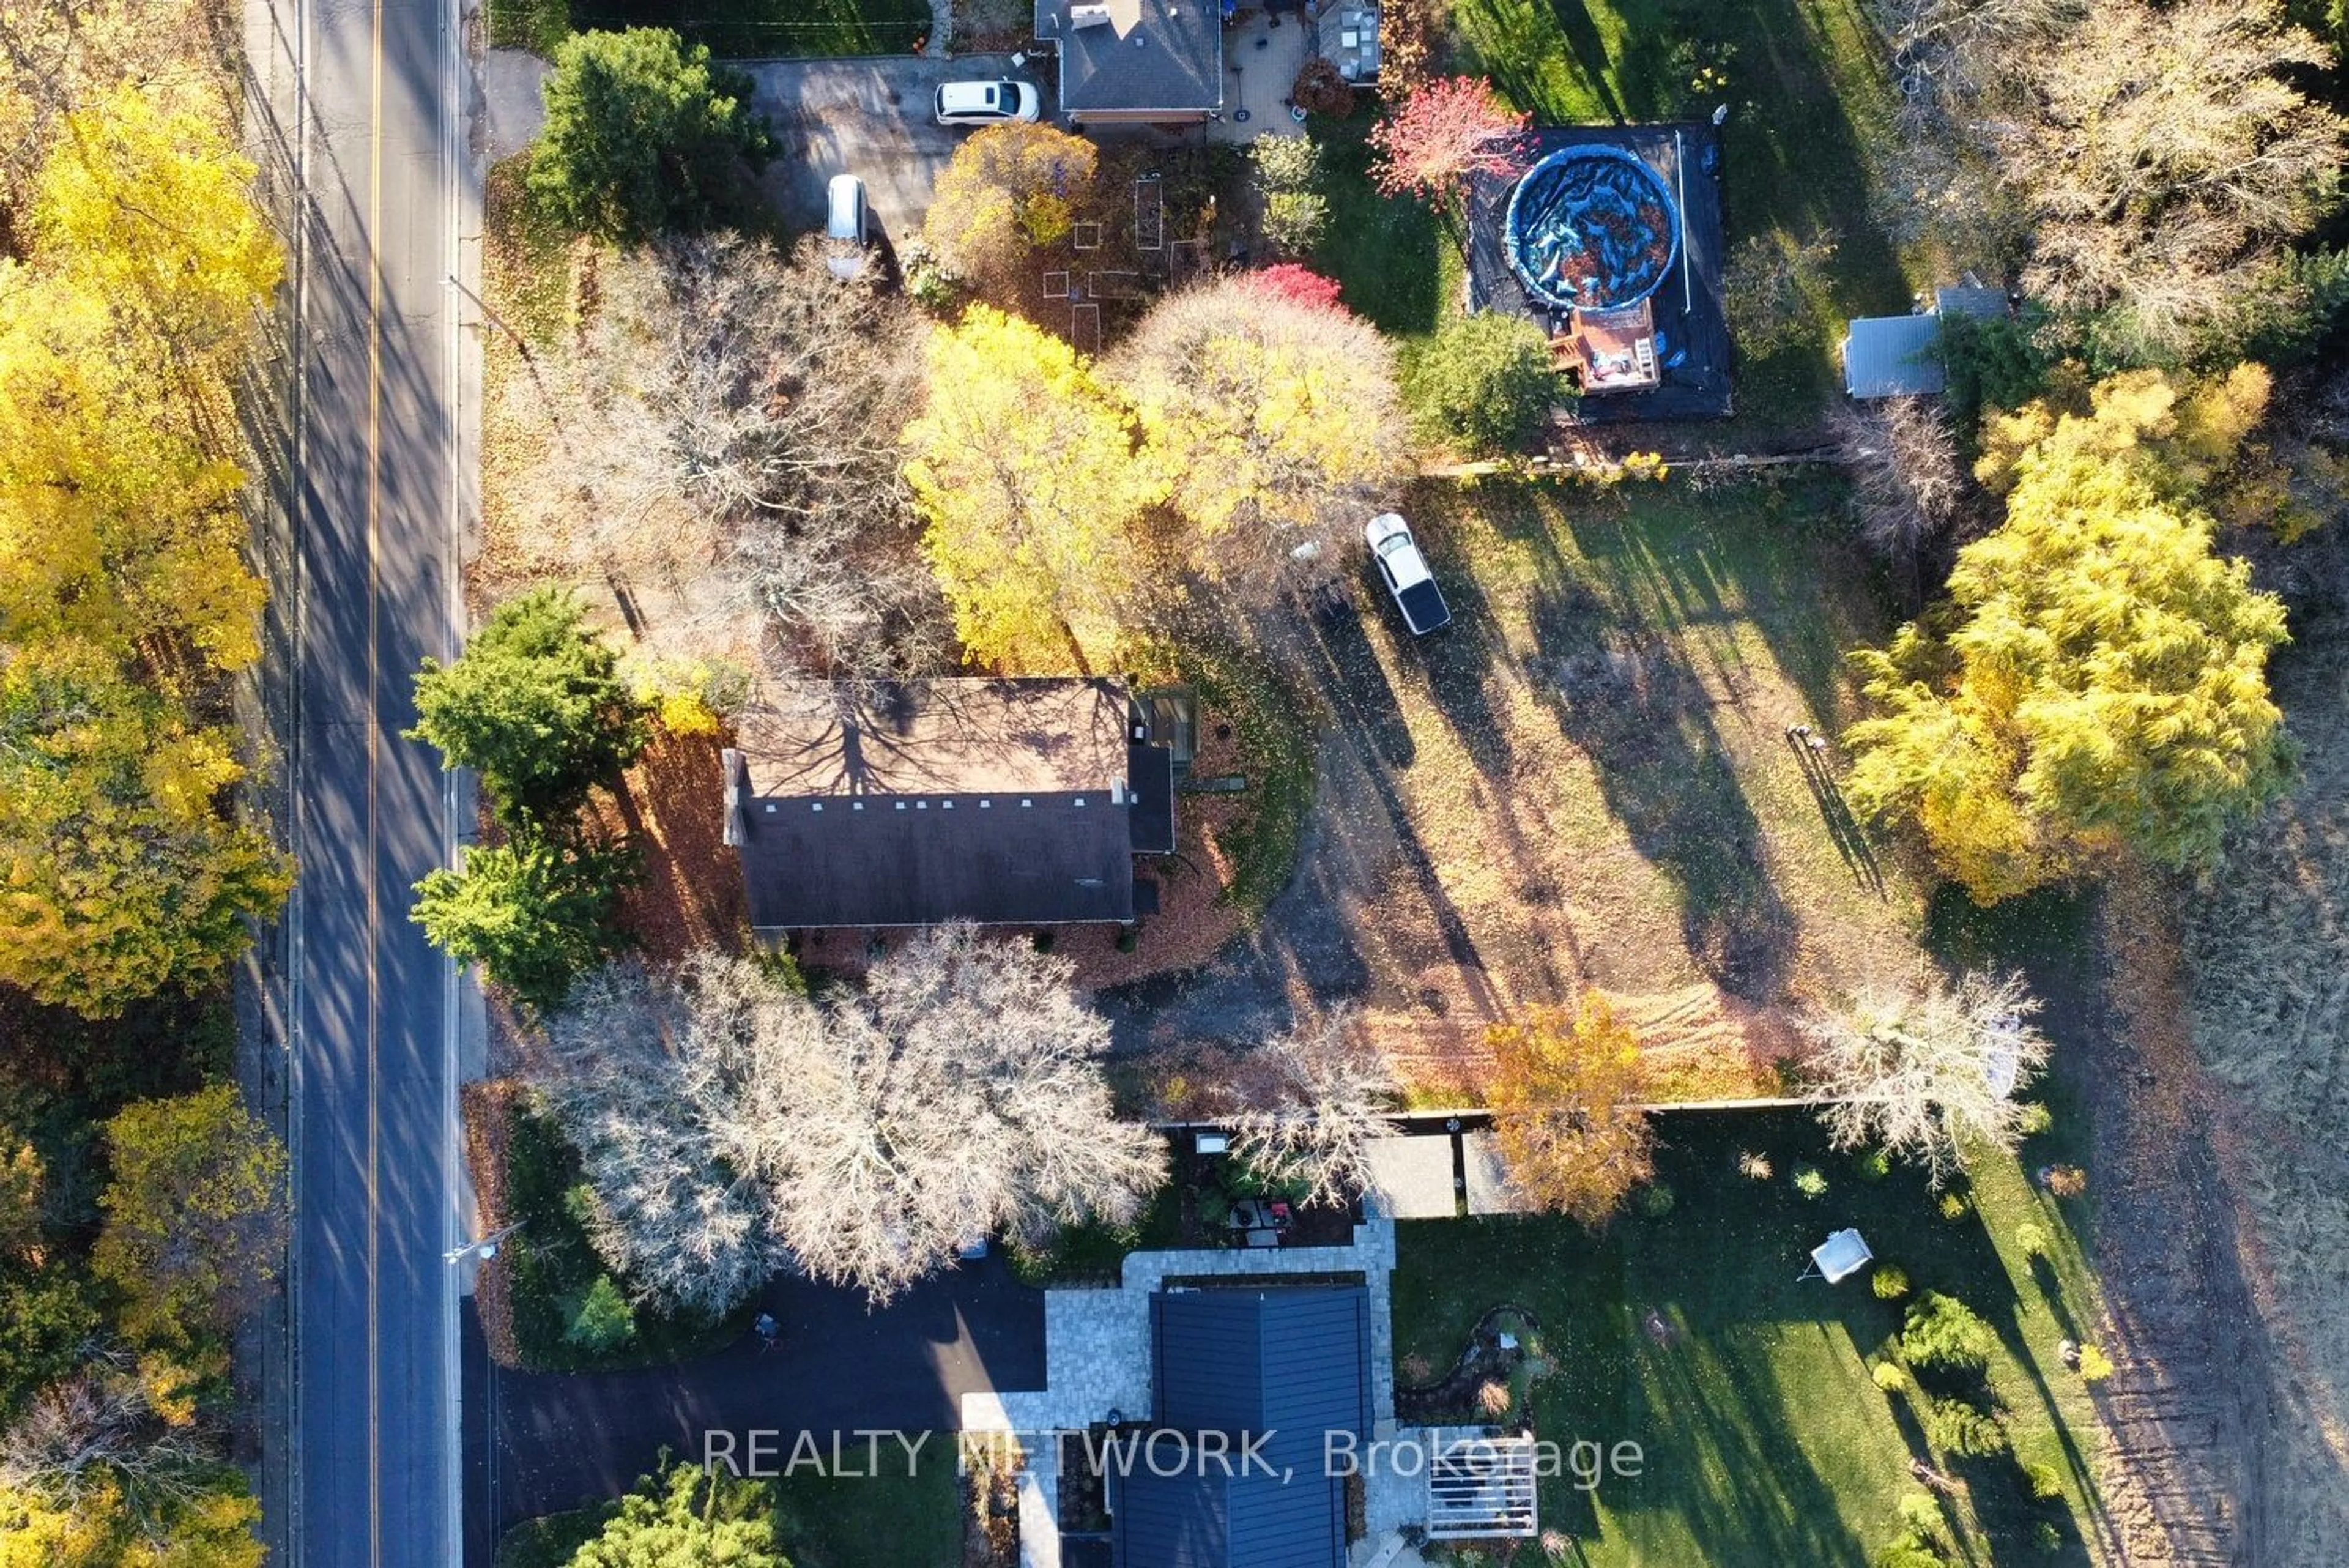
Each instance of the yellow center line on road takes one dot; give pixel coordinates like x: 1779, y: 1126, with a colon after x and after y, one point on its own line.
x: 373, y: 485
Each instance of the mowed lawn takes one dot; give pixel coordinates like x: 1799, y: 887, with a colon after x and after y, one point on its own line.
x: 1765, y: 1441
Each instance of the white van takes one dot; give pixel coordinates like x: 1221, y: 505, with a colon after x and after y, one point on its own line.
x: 844, y: 227
x: 987, y: 103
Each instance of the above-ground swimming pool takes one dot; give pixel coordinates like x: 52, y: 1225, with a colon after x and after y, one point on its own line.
x: 1591, y: 228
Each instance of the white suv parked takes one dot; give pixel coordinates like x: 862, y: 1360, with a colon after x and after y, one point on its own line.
x: 987, y: 103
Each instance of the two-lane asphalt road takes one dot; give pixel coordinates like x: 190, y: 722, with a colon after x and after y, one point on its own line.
x: 372, y: 1477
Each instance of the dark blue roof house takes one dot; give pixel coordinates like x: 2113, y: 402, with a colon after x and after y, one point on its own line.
x: 1293, y: 1364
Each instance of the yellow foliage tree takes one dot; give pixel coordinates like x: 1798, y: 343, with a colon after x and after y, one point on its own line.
x: 1007, y: 189
x: 150, y: 208
x: 1023, y: 468
x: 124, y: 592
x: 1272, y: 422
x: 204, y: 1519
x: 194, y: 1213
x: 2101, y: 686
x: 118, y: 874
x: 1566, y: 1108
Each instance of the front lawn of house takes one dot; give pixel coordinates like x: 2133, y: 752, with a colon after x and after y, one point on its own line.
x: 1765, y: 1439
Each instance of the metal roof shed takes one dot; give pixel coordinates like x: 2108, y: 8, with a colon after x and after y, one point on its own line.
x: 1892, y: 356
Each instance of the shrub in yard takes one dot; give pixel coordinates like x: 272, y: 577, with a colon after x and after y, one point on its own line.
x: 1921, y: 1516
x: 2035, y: 1119
x: 1953, y: 1206
x: 1890, y: 1281
x: 1755, y: 1167
x: 1298, y: 285
x: 1872, y: 1165
x: 2047, y: 1536
x: 1656, y: 1200
x: 1493, y: 1398
x: 1945, y: 1334
x: 603, y: 1321
x: 2095, y: 1365
x: 1484, y: 383
x: 643, y: 133
x: 2031, y: 1240
x: 1287, y: 171
x: 1286, y: 163
x: 1293, y: 221
x: 1810, y: 1181
x: 2044, y: 1481
x: 2065, y: 1180
x: 1958, y: 1429
x: 1768, y: 287
x: 1320, y: 89
x: 1887, y: 1376
x: 1908, y: 1554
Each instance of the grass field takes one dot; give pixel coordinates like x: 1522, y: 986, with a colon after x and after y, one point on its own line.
x: 1765, y: 1441
x: 1588, y: 779
x: 739, y: 29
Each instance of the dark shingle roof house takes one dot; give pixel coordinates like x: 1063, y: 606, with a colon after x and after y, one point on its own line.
x: 1292, y: 1364
x: 1001, y: 802
x: 1144, y: 61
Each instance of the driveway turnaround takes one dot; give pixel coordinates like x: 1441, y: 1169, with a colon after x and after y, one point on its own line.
x: 563, y: 1441
x: 870, y: 118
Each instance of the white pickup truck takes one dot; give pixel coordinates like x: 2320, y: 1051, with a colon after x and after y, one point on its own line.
x: 1406, y: 574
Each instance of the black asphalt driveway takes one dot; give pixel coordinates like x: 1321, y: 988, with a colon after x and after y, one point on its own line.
x: 870, y: 118
x: 564, y: 1440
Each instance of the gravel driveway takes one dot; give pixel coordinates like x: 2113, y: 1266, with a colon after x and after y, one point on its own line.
x: 866, y: 117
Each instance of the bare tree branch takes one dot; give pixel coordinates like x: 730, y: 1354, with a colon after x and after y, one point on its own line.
x: 1327, y: 1097
x: 1924, y: 1069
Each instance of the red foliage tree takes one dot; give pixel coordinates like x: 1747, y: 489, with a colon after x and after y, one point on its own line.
x: 1300, y: 283
x: 1447, y: 130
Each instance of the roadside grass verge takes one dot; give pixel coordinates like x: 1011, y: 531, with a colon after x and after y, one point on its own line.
x: 525, y: 272
x: 771, y: 29
x: 1763, y: 1437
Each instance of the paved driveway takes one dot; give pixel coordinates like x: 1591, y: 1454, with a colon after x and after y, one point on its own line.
x: 870, y: 118
x: 564, y: 1440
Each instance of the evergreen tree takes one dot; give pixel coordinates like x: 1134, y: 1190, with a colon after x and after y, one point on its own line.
x: 643, y: 133
x: 536, y: 704
x: 534, y: 914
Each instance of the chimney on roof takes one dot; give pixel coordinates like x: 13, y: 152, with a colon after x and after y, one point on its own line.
x: 1093, y: 15
x: 737, y: 778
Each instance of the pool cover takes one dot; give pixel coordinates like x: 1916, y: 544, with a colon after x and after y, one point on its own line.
x: 1691, y: 339
x: 1592, y: 227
